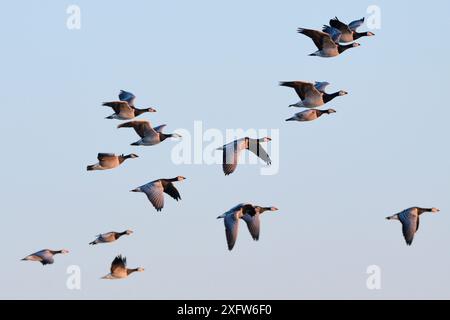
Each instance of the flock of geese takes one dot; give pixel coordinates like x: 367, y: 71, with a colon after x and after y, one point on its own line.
x: 332, y: 41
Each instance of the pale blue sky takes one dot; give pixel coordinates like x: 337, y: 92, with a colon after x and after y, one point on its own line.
x: 220, y: 62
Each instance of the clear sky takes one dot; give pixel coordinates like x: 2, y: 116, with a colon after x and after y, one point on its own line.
x: 220, y: 62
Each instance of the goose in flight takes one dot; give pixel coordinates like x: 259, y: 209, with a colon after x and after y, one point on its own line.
x: 346, y: 33
x: 311, y: 95
x: 149, y: 136
x: 119, y: 269
x: 247, y: 212
x: 155, y: 191
x: 326, y: 45
x: 125, y: 109
x: 232, y: 151
x: 110, y: 237
x: 310, y: 115
x: 110, y: 161
x: 409, y: 219
x: 44, y: 256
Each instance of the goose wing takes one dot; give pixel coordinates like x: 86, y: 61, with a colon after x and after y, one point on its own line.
x: 409, y: 225
x: 142, y: 127
x: 321, y: 39
x: 303, y: 89
x: 356, y: 24
x: 255, y: 147
x: 106, y: 156
x: 231, y: 154
x: 160, y: 128
x: 321, y: 86
x: 154, y: 191
x: 253, y: 225
x: 119, y: 266
x: 170, y: 189
x: 231, y: 222
x: 118, y: 106
x: 337, y: 24
x: 127, y: 96
x: 334, y: 33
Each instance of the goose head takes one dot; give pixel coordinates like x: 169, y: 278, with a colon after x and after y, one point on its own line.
x: 129, y: 232
x: 64, y: 251
x: 132, y: 156
x: 140, y: 269
x: 370, y: 34
x: 354, y: 45
x: 150, y: 110
x: 330, y: 111
x: 343, y: 93
x: 137, y: 190
x: 180, y: 178
x: 435, y: 210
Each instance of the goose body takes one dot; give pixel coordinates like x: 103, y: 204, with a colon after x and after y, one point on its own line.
x: 125, y: 109
x: 326, y: 45
x: 232, y: 151
x: 311, y: 95
x: 44, y: 256
x: 110, y: 161
x: 110, y: 237
x: 247, y: 212
x: 310, y: 115
x: 155, y: 191
x: 149, y: 136
x: 410, y: 219
x: 347, y: 33
x: 119, y: 269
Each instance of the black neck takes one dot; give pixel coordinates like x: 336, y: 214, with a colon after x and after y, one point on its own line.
x: 342, y: 48
x: 422, y: 210
x: 56, y: 252
x: 119, y: 234
x: 130, y: 271
x: 139, y: 111
x: 328, y: 97
x: 357, y: 35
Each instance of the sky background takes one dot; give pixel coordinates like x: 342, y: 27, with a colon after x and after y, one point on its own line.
x: 386, y: 149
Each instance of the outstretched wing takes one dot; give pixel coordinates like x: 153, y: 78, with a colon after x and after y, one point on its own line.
x: 255, y: 147
x: 342, y: 27
x: 409, y: 225
x: 321, y: 39
x: 253, y: 225
x: 356, y: 24
x: 118, y: 106
x: 334, y: 33
x: 321, y: 86
x: 154, y: 191
x: 170, y: 189
x: 231, y: 154
x: 231, y: 229
x: 303, y: 89
x: 160, y: 128
x: 119, y: 265
x: 127, y: 96
x: 142, y: 127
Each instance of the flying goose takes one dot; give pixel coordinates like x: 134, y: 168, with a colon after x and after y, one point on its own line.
x: 247, y: 212
x: 44, y: 256
x: 347, y: 33
x: 410, y: 221
x: 125, y: 109
x: 253, y: 222
x: 155, y: 191
x: 310, y: 115
x: 327, y: 47
x: 110, y: 237
x: 150, y: 136
x: 311, y: 95
x: 110, y: 161
x: 119, y: 269
x: 232, y: 151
